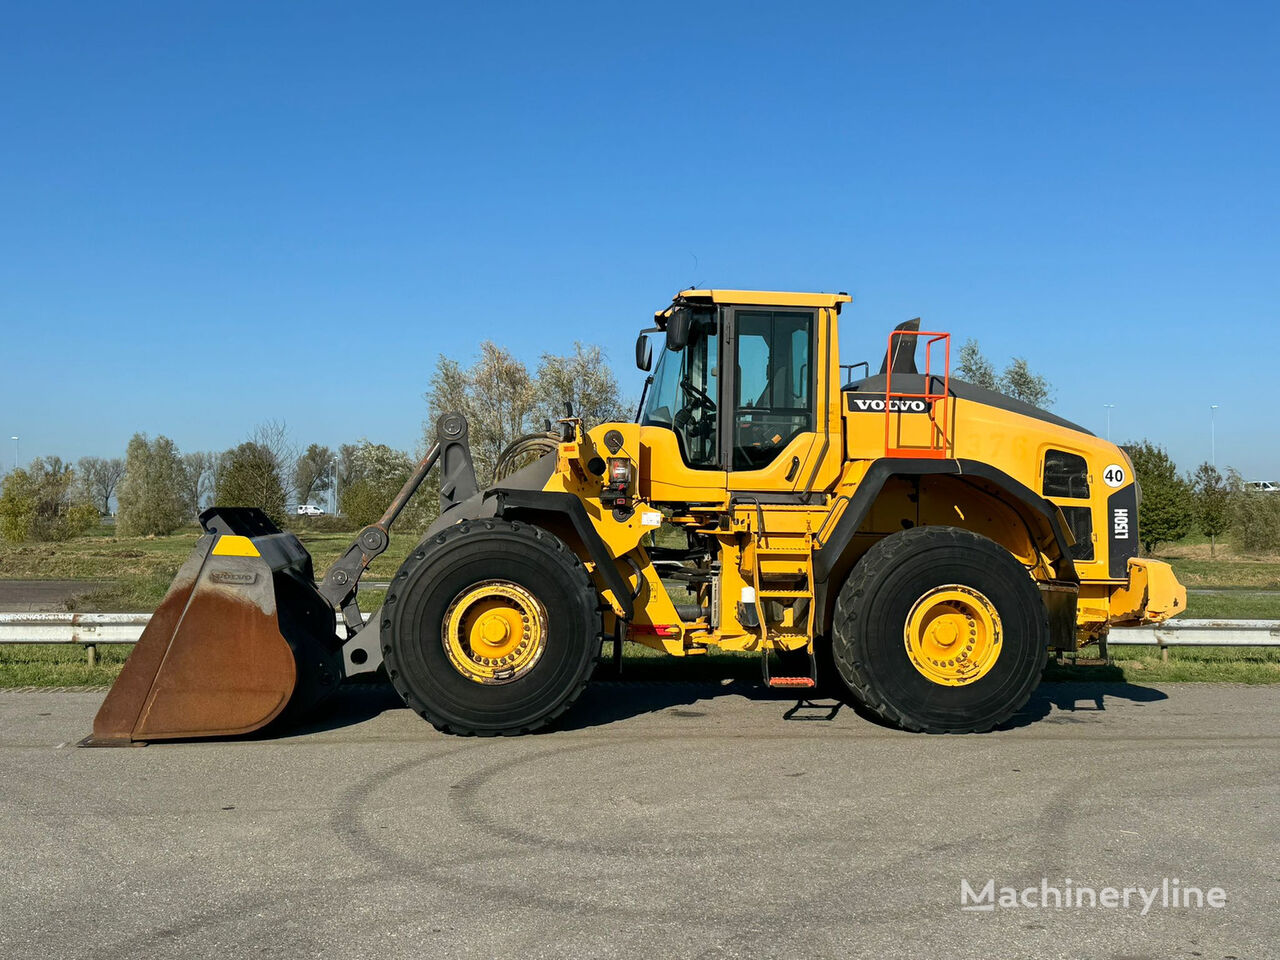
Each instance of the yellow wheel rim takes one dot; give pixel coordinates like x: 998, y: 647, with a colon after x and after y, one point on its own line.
x: 953, y: 635
x: 495, y: 631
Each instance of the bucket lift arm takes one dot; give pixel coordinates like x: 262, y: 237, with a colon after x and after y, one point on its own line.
x: 457, y: 483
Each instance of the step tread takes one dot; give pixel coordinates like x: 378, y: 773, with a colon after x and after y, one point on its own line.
x: 805, y: 682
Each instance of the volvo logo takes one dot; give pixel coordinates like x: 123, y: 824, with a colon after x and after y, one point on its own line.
x: 876, y: 405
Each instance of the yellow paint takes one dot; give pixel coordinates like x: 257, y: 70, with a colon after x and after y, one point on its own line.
x: 952, y: 635
x: 771, y: 298
x: 1152, y: 593
x: 495, y: 632
x: 233, y: 546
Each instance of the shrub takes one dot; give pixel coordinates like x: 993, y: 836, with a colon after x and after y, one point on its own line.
x: 1255, y: 522
x: 39, y: 503
x: 374, y: 476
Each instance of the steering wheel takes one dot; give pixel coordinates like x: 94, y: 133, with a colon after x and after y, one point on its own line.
x: 699, y: 397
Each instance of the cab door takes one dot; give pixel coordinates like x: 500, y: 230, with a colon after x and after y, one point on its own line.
x: 770, y: 441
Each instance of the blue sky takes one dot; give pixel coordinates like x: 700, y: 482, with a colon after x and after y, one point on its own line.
x: 215, y: 214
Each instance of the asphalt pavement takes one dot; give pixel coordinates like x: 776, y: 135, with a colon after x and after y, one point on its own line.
x: 33, y: 596
x: 662, y: 820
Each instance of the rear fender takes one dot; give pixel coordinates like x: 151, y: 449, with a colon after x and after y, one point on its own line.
x: 836, y: 552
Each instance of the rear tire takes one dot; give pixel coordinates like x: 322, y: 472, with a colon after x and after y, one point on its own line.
x: 874, y: 611
x: 542, y: 573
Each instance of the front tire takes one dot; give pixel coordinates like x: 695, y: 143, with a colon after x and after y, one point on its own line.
x: 491, y: 628
x: 940, y: 630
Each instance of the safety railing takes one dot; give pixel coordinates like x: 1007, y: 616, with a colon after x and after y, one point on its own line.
x: 1198, y: 633
x: 89, y: 630
x: 898, y: 403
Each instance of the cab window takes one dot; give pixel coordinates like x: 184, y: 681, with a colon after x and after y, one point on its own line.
x: 774, y: 384
x: 684, y: 391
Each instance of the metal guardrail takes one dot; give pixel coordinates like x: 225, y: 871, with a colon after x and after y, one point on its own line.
x: 1197, y: 633
x: 92, y: 629
x: 72, y: 627
x: 1200, y: 633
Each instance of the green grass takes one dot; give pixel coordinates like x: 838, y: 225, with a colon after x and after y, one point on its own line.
x: 57, y: 665
x: 1229, y: 572
x: 1232, y: 605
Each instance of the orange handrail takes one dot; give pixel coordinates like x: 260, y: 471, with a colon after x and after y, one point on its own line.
x: 940, y: 444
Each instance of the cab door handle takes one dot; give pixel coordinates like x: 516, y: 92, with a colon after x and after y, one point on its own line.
x: 795, y: 465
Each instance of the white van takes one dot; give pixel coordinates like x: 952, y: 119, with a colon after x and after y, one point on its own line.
x: 309, y: 510
x: 1262, y: 486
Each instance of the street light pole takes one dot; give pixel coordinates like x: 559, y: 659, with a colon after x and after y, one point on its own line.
x: 16, y: 458
x: 1213, y: 434
x: 1109, y: 407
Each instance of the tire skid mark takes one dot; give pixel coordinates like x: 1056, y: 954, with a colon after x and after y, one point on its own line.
x: 354, y: 833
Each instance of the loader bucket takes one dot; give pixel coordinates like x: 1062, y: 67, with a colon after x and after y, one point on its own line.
x: 241, y: 639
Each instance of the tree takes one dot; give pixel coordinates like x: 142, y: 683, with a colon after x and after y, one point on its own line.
x: 375, y: 475
x: 43, y: 502
x: 347, y: 453
x: 1165, y: 512
x: 495, y: 394
x: 1211, y: 501
x: 199, y: 474
x: 584, y: 379
x: 249, y: 476
x: 253, y: 474
x: 313, y: 472
x: 1019, y: 382
x: 1016, y: 381
x: 975, y: 368
x: 502, y: 402
x: 273, y: 437
x: 152, y: 492
x: 98, y: 479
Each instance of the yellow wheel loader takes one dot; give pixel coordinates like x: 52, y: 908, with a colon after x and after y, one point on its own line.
x: 917, y: 542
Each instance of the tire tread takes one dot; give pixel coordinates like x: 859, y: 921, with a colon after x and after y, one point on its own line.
x: 580, y: 580
x: 884, y: 556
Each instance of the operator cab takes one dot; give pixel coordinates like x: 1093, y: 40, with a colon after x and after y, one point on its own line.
x: 734, y: 351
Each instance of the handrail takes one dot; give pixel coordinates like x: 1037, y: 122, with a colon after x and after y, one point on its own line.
x: 928, y: 400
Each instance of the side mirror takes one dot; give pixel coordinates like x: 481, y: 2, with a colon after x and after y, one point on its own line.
x: 644, y: 353
x: 678, y: 326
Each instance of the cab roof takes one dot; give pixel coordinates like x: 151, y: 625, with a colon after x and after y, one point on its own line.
x: 766, y: 298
